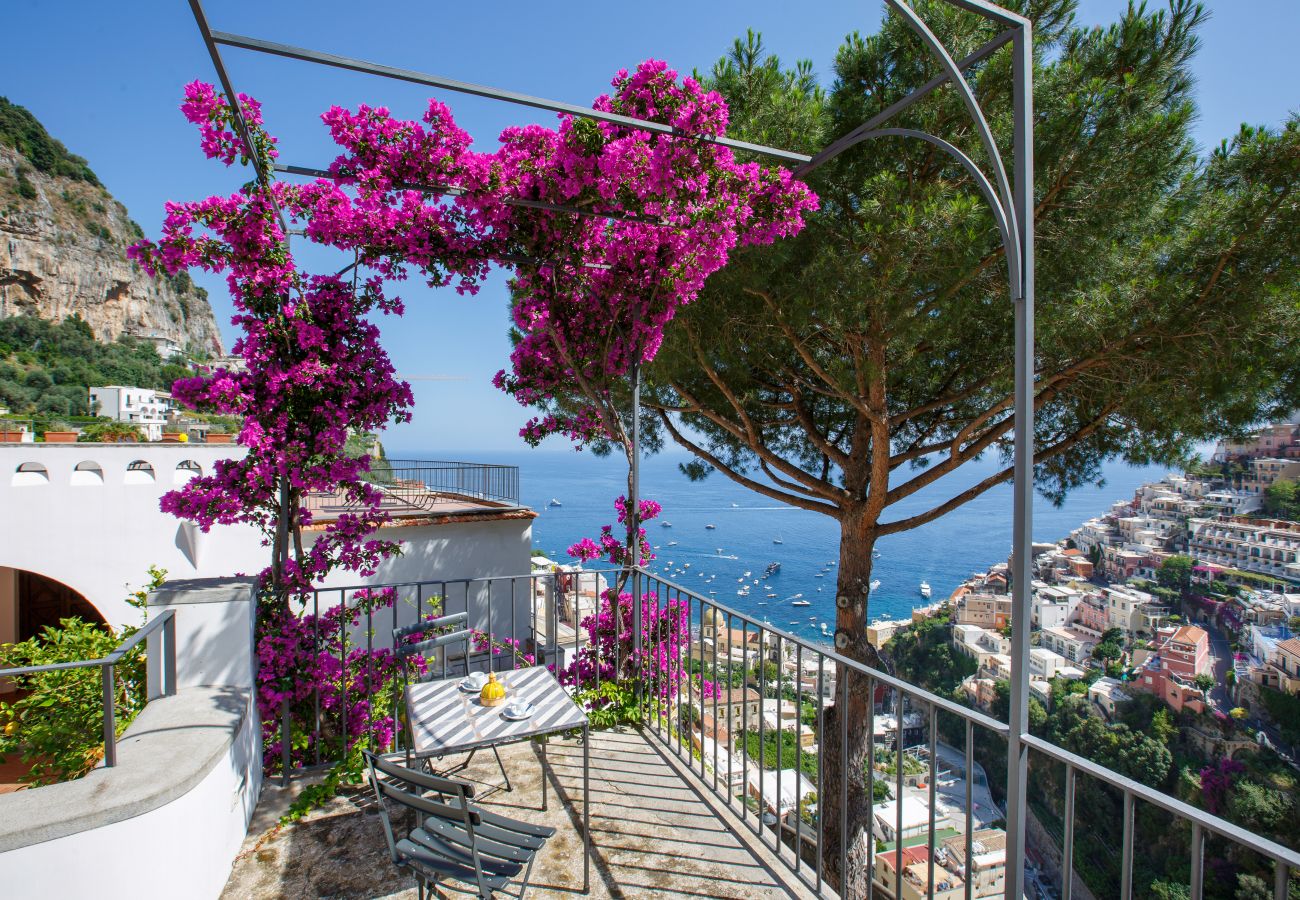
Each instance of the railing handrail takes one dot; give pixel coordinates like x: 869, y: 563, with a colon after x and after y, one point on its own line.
x: 164, y: 622
x: 1170, y: 804
x: 329, y: 589
x: 833, y: 655
x: 111, y: 659
x: 436, y: 463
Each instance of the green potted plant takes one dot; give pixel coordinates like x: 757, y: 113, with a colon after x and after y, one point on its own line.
x: 59, y: 433
x: 10, y: 431
x: 219, y: 433
x: 110, y: 432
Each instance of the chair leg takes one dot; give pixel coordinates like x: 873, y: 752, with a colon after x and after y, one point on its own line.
x: 502, y: 766
x: 528, y: 873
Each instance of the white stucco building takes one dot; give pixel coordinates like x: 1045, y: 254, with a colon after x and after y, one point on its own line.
x: 143, y: 407
x: 82, y: 526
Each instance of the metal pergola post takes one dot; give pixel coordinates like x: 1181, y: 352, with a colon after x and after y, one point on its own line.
x: 1012, y: 209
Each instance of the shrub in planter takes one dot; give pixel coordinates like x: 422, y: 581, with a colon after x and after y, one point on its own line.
x: 60, y: 437
x: 110, y: 433
x: 56, y: 726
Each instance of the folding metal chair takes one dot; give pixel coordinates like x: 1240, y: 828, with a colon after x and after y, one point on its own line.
x: 445, y: 654
x: 452, y: 838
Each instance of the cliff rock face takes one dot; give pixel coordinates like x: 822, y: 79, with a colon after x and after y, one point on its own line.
x: 63, y: 252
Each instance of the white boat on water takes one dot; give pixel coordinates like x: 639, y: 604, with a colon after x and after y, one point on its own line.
x: 672, y: 543
x: 710, y: 527
x: 801, y: 603
x: 875, y: 583
x: 735, y: 506
x: 665, y: 524
x: 554, y: 502
x: 925, y: 589
x: 777, y: 540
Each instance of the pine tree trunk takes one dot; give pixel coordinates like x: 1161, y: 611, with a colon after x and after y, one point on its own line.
x: 849, y: 820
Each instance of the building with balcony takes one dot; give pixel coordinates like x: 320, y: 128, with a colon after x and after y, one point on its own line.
x: 1072, y: 642
x: 987, y: 867
x: 1267, y: 547
x: 983, y: 609
x: 1280, y: 439
x: 915, y: 876
x: 145, y: 408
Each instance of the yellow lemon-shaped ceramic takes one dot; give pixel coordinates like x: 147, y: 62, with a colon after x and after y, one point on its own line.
x: 493, y: 693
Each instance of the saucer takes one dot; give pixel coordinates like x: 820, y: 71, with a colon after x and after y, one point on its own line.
x: 518, y: 715
x: 469, y: 687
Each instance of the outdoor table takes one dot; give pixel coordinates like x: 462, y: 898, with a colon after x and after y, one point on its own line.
x: 446, y: 720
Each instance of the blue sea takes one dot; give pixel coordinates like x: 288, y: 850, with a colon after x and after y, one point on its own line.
x: 944, y: 552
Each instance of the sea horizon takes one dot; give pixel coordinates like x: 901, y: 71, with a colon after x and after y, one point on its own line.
x: 943, y: 553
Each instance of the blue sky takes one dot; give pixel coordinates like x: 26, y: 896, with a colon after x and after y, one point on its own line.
x: 106, y: 78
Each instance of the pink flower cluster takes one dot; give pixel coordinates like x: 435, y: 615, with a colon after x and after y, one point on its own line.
x: 610, y: 230
x: 614, y: 549
x: 612, y: 653
x: 310, y: 658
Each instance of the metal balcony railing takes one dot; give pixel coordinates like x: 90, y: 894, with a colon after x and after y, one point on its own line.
x: 165, y: 625
x: 411, y: 486
x: 732, y: 647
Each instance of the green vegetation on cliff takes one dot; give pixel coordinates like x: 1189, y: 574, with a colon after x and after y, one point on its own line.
x: 20, y: 130
x: 47, y: 367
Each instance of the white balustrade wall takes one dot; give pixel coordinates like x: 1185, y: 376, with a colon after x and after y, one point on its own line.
x: 87, y: 515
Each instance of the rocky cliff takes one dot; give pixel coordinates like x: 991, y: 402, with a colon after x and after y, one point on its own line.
x: 63, y: 243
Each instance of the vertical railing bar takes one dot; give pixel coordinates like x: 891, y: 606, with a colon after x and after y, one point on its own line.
x: 929, y: 891
x: 1198, y: 861
x: 110, y: 717
x: 343, y: 665
x: 286, y: 733
x: 715, y: 696
x: 1281, y: 875
x: 315, y: 692
x: 871, y: 786
x: 842, y: 717
x: 399, y: 733
x: 744, y: 723
x: 1067, y: 851
x: 731, y: 657
x: 370, y: 690
x: 798, y: 752
x: 970, y: 805
x: 821, y: 785
x: 899, y: 709
x: 169, y: 654
x: 717, y: 689
x: 780, y: 771
x: 1126, y: 858
x: 762, y: 754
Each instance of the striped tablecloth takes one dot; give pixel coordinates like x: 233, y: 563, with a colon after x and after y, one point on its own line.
x: 446, y: 719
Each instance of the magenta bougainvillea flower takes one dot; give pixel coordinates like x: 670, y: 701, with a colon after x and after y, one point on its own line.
x: 610, y: 230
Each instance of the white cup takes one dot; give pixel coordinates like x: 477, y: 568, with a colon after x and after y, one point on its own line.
x: 478, y: 679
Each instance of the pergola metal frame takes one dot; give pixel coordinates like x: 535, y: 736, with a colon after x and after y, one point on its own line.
x: 1009, y: 197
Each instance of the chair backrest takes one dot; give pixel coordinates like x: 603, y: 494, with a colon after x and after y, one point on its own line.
x: 436, y: 649
x: 406, y: 786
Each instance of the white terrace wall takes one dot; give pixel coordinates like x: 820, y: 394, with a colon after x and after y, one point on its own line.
x: 87, y: 515
x: 80, y: 514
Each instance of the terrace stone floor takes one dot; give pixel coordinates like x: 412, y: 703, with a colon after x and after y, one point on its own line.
x: 656, y: 832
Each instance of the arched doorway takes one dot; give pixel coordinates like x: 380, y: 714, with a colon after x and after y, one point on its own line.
x: 29, y: 602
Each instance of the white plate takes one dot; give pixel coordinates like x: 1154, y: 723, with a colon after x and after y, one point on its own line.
x: 528, y: 713
x: 468, y: 686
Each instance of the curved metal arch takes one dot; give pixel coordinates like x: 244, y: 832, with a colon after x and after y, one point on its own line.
x: 1003, y: 218
x: 917, y: 24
